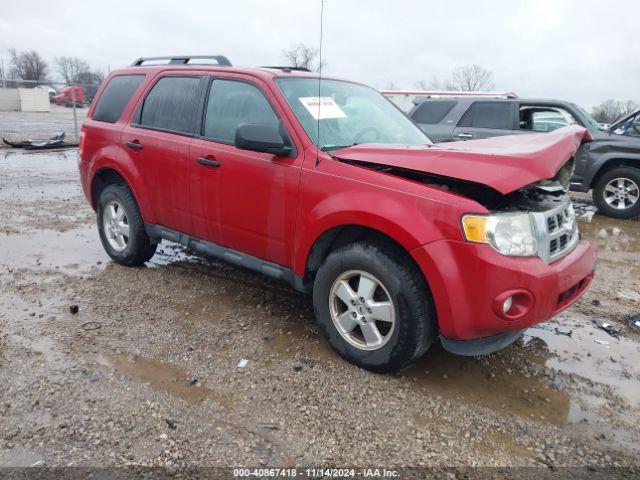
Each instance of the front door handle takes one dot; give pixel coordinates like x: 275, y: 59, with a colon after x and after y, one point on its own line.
x: 207, y: 162
x: 134, y: 145
x: 465, y: 135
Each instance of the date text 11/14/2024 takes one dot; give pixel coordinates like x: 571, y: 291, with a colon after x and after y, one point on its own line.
x: 316, y: 472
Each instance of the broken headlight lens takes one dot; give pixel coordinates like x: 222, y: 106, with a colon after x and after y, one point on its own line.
x: 508, y: 233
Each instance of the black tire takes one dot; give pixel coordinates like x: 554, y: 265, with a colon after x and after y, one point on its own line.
x: 629, y: 173
x: 139, y: 247
x: 415, y: 318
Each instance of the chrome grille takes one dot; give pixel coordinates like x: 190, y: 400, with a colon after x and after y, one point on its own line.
x: 556, y: 232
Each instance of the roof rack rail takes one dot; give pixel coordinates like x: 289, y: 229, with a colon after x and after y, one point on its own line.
x: 184, y: 59
x: 297, y: 69
x: 447, y: 93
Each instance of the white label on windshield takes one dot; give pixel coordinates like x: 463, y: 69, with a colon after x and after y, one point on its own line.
x: 322, y: 108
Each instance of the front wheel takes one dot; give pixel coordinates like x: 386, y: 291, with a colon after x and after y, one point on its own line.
x: 373, y: 306
x: 617, y: 193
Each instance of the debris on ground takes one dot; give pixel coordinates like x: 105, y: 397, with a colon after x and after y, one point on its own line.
x: 595, y: 302
x: 607, y: 327
x: 242, y: 363
x: 270, y: 426
x: 601, y: 342
x: 584, y: 210
x: 561, y: 331
x: 191, y: 381
x: 91, y: 325
x: 172, y: 424
x: 74, y: 309
x: 57, y: 141
x: 628, y: 295
x: 634, y: 321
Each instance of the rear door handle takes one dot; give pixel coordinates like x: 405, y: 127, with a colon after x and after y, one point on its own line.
x: 465, y: 135
x: 134, y: 145
x: 207, y: 162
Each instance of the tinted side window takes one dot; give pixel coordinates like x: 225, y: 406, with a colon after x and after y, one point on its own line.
x: 115, y: 97
x: 432, y: 112
x: 171, y: 104
x: 488, y: 115
x: 232, y: 103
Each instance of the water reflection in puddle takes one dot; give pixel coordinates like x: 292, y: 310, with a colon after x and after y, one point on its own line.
x: 593, y: 354
x: 75, y: 251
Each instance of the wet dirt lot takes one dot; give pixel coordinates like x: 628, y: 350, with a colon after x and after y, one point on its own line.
x: 146, y: 373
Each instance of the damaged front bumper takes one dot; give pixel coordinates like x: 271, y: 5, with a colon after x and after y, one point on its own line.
x: 470, y: 283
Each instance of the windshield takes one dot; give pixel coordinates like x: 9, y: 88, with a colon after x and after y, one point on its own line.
x: 347, y: 114
x: 589, y: 118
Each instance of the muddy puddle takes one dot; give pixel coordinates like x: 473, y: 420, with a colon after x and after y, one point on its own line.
x: 495, y: 383
x: 75, y: 251
x: 162, y: 376
x: 612, y: 235
x: 592, y: 354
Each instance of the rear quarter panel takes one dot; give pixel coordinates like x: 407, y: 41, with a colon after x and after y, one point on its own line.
x: 103, y: 148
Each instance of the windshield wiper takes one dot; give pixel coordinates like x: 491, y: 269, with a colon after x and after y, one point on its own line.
x: 331, y: 148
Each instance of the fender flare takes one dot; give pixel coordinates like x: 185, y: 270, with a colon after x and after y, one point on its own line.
x: 307, y: 239
x: 610, y: 160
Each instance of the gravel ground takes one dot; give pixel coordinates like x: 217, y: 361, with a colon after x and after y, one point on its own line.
x: 146, y: 372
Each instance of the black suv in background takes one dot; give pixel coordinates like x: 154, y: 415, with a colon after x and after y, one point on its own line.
x: 610, y: 164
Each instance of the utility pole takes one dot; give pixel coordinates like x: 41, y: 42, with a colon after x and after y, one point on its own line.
x: 75, y: 115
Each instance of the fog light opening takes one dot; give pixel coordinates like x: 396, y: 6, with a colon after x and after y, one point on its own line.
x: 513, y: 304
x: 506, y: 306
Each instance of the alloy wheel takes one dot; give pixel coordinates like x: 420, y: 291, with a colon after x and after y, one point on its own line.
x: 115, y: 225
x: 362, y: 310
x: 621, y: 193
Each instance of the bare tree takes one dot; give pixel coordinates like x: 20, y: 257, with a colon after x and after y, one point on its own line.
x: 471, y: 78
x: 303, y: 56
x: 433, y: 84
x: 610, y: 110
x: 72, y: 68
x: 27, y: 65
x: 90, y: 81
x: 468, y: 78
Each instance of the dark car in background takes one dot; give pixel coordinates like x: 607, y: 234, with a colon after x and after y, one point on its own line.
x: 609, y: 165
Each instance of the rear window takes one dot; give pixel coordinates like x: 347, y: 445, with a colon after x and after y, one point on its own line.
x: 115, y: 97
x: 432, y: 112
x: 171, y: 104
x: 495, y: 115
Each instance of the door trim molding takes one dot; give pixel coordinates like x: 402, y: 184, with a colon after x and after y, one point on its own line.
x: 270, y: 269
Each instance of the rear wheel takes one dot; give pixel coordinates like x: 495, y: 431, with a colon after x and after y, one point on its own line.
x: 121, y: 227
x: 617, y: 193
x: 373, y: 306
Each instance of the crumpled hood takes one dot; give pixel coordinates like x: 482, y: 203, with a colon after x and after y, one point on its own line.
x: 505, y: 164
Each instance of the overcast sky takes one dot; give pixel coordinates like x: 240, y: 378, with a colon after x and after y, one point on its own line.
x: 580, y: 50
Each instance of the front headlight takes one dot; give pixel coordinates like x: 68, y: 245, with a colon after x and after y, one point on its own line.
x: 509, y: 233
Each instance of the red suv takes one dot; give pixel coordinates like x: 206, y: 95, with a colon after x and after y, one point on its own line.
x: 324, y: 184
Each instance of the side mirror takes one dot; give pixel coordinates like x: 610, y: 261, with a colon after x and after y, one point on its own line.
x: 260, y: 137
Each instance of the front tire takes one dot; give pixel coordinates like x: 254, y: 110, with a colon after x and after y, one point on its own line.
x: 617, y: 193
x: 373, y: 306
x: 121, y: 227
